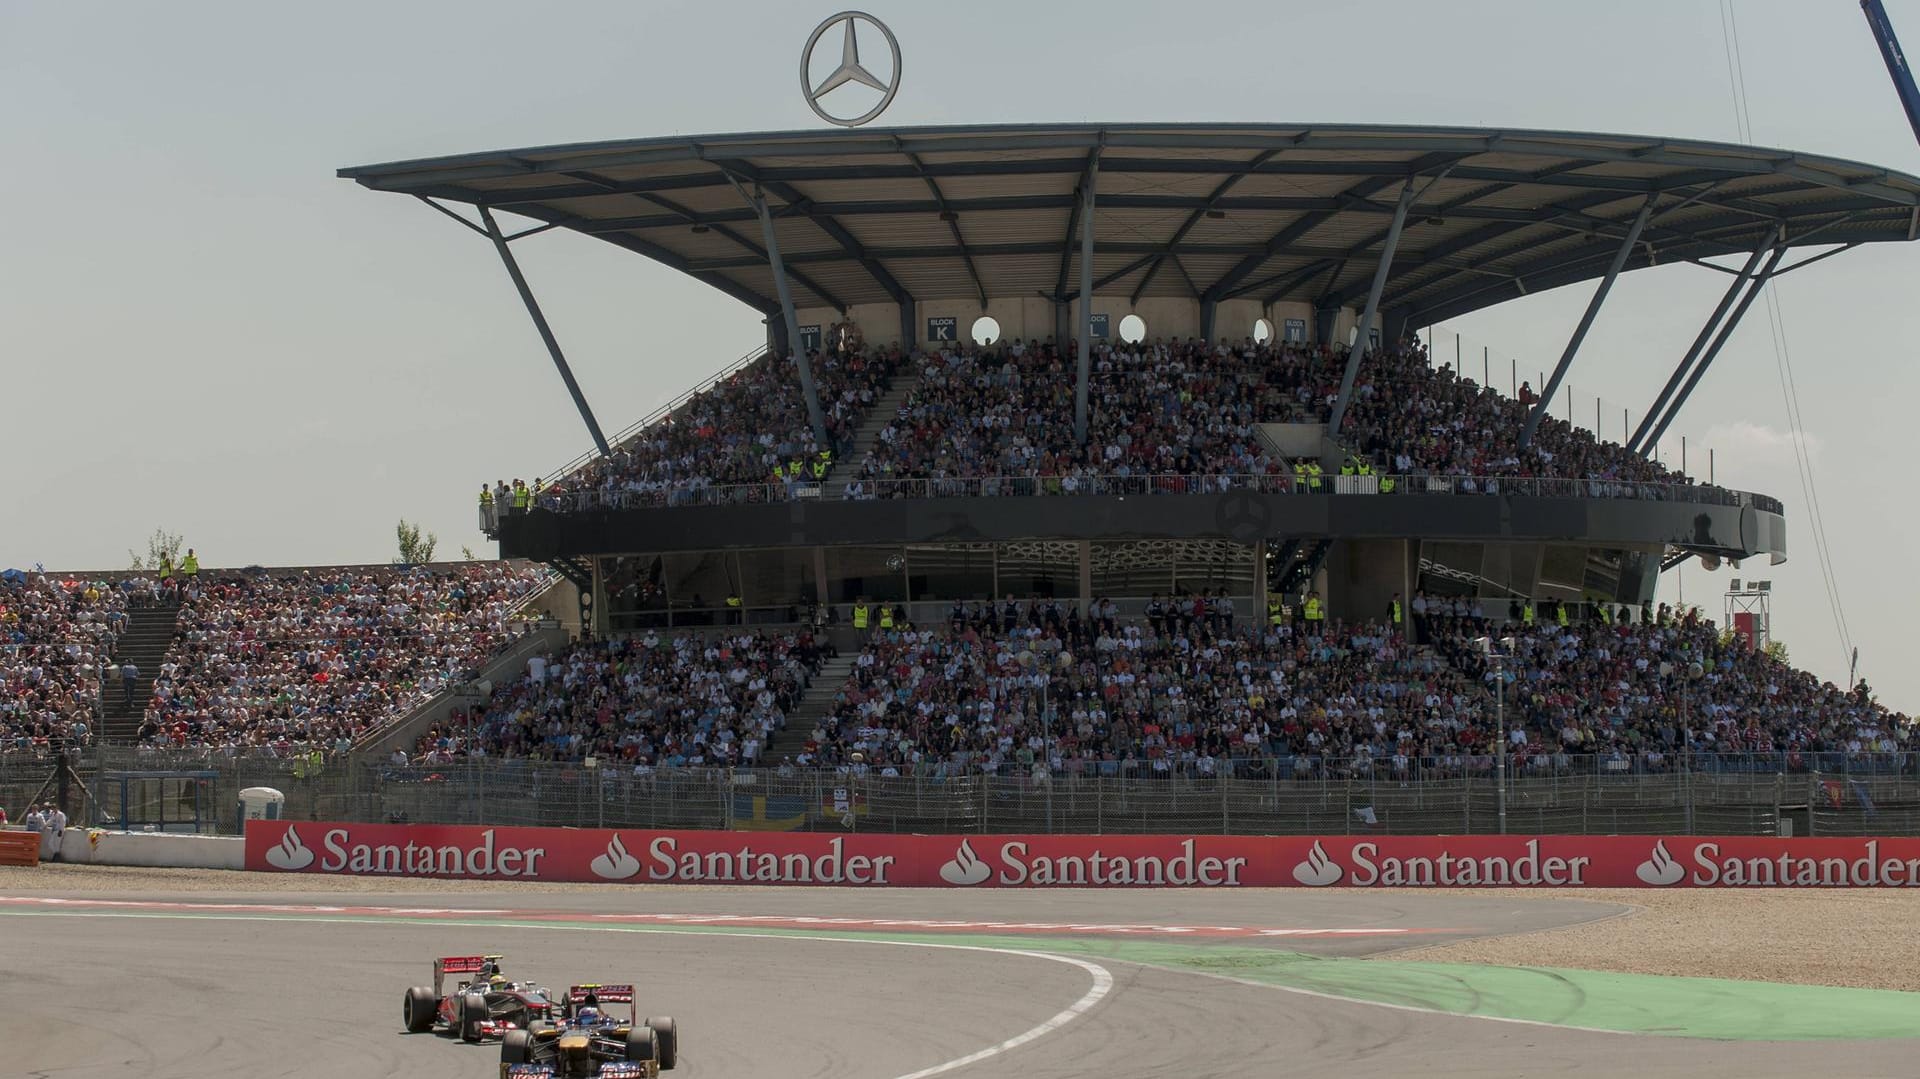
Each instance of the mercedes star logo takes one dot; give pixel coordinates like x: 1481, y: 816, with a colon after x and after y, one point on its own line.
x: 850, y: 69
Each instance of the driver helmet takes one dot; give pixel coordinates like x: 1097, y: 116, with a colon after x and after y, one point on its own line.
x: 496, y: 982
x: 588, y: 1014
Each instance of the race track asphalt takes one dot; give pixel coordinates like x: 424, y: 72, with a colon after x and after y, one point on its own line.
x: 211, y: 987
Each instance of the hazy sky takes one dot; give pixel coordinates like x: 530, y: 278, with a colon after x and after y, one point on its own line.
x: 202, y: 329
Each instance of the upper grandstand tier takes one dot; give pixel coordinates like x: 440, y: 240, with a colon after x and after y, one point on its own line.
x: 954, y: 220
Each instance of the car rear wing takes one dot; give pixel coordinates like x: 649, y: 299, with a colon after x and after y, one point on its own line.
x: 604, y: 995
x: 461, y: 964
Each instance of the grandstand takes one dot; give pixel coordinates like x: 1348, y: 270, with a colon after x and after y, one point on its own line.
x: 1075, y: 452
x: 1226, y: 315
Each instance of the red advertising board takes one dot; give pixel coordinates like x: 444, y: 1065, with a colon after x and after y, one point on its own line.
x: 1109, y: 861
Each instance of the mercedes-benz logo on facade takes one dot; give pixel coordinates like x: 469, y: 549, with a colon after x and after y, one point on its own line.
x: 850, y: 69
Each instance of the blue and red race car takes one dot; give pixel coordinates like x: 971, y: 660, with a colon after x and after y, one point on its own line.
x: 588, y: 1041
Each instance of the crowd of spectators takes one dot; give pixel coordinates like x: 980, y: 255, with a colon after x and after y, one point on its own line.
x: 1007, y: 413
x: 739, y: 431
x: 289, y: 661
x: 1001, y: 418
x: 1645, y: 696
x: 640, y: 702
x: 1414, y: 419
x: 1050, y: 695
x: 57, y: 638
x: 1039, y: 689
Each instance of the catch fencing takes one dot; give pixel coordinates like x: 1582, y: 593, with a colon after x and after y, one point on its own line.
x: 1273, y: 801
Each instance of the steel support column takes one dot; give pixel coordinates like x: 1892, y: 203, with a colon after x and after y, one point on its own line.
x: 796, y: 347
x: 1586, y: 322
x: 1706, y: 360
x: 1085, y: 371
x: 1380, y: 274
x: 546, y: 331
x: 1207, y: 311
x: 909, y: 324
x: 1706, y: 333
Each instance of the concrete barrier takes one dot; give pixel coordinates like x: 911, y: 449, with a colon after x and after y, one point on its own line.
x: 153, y: 849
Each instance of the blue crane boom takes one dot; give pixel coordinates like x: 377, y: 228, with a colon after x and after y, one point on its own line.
x: 1896, y: 61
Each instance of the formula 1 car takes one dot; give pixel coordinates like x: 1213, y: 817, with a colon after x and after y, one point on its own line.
x: 590, y: 1042
x: 486, y: 1005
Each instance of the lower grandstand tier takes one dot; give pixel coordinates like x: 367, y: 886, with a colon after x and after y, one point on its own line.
x: 1042, y: 689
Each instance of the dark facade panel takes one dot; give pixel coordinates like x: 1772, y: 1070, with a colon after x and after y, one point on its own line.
x: 1243, y: 517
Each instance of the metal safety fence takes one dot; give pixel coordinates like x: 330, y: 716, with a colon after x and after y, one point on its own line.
x: 1274, y: 801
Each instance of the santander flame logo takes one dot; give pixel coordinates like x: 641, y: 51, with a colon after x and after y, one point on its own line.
x: 965, y: 868
x: 1660, y: 868
x: 616, y: 863
x: 1318, y: 870
x: 289, y: 853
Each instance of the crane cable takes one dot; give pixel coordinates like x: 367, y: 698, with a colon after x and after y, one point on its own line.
x: 1783, y: 357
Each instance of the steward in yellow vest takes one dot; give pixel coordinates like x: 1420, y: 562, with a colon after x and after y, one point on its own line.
x: 859, y: 616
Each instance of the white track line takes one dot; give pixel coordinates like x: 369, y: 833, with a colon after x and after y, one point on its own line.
x: 1102, y: 977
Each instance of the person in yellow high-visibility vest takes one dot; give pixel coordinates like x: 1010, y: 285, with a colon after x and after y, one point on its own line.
x: 190, y: 566
x: 1276, y: 613
x: 486, y: 508
x: 166, y: 567
x: 1560, y: 612
x: 1299, y: 475
x: 1395, y: 612
x: 1526, y: 612
x: 860, y: 616
x: 886, y: 616
x: 733, y: 608
x: 1314, y: 612
x: 1314, y: 472
x: 1348, y: 467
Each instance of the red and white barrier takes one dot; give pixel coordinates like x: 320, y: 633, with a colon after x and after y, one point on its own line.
x: 1113, y: 861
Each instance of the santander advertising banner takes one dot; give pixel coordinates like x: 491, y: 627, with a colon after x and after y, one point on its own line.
x: 1078, y: 861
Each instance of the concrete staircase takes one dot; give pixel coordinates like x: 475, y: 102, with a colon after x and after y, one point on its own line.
x: 816, y: 703
x: 883, y: 412
x: 148, y: 635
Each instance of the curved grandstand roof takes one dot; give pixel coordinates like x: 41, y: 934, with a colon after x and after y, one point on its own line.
x: 1271, y: 213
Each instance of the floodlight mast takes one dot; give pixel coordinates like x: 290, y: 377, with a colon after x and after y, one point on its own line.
x: 1896, y: 60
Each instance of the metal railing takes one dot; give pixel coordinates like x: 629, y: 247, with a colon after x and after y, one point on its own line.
x: 655, y: 416
x: 1736, y: 795
x: 1152, y: 484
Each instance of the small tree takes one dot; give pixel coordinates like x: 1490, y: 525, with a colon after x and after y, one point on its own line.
x: 1777, y: 650
x: 416, y: 546
x: 161, y: 546
x: 466, y: 553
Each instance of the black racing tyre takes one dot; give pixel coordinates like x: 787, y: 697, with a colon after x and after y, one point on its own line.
x: 669, y: 1035
x: 417, y: 1009
x: 643, y: 1044
x: 516, y: 1047
x: 469, y: 1013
